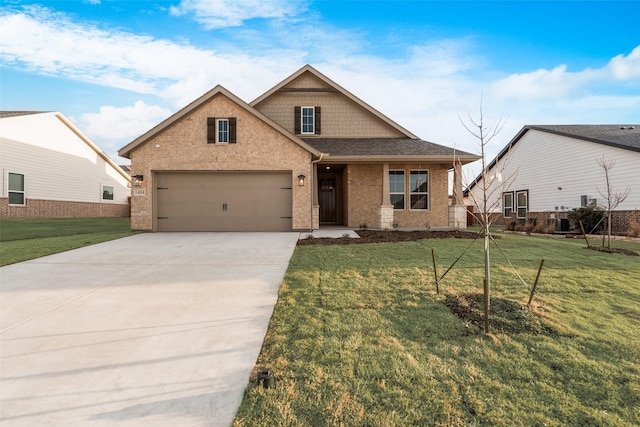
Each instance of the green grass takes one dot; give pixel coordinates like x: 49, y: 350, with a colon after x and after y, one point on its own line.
x: 360, y: 338
x: 24, y: 239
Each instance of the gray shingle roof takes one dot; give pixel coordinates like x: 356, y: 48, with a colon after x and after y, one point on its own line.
x: 4, y: 114
x: 339, y: 147
x: 626, y: 137
x: 621, y: 136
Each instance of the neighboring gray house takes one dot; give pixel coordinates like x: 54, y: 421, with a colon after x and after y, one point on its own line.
x: 549, y: 170
x: 51, y: 169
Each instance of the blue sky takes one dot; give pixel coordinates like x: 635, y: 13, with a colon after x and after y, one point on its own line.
x: 116, y: 68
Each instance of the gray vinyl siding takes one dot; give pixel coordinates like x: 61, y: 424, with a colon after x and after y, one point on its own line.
x: 542, y: 162
x: 56, y: 163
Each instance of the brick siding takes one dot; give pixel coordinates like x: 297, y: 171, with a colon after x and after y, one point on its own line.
x: 184, y: 147
x: 365, y: 196
x: 620, y: 225
x: 36, y: 208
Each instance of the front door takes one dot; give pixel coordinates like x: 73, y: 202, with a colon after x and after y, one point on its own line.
x: 328, y: 200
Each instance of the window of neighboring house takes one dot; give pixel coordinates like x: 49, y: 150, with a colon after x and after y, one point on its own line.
x: 522, y: 203
x: 107, y: 192
x: 396, y: 189
x: 418, y: 185
x: 306, y: 120
x: 507, y: 204
x: 16, y: 189
x: 221, y: 130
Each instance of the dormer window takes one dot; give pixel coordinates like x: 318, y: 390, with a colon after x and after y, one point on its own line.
x: 307, y: 120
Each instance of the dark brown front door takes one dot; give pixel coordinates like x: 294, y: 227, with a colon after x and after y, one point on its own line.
x: 328, y: 200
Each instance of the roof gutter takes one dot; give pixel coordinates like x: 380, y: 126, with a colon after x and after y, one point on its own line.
x: 398, y: 159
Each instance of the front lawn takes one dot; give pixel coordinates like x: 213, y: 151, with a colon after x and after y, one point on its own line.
x: 359, y: 337
x: 24, y: 239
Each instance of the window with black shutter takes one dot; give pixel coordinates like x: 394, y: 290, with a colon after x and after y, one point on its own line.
x: 306, y: 120
x: 221, y: 130
x: 211, y: 130
x: 232, y: 130
x: 297, y: 118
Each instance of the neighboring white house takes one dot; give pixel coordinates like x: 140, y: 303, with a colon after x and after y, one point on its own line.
x: 51, y: 169
x: 546, y: 171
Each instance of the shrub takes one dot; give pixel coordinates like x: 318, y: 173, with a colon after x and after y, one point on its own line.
x: 528, y: 227
x: 540, y: 228
x: 634, y: 229
x: 589, y: 216
x: 510, y: 226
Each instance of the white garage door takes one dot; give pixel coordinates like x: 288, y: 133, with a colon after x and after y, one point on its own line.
x: 223, y: 201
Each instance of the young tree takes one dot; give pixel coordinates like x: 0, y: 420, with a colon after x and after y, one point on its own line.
x: 613, y: 198
x: 484, y: 134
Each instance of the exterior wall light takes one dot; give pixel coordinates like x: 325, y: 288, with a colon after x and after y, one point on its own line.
x: 301, y: 180
x: 137, y: 180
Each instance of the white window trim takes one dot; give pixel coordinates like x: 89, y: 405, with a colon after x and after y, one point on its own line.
x: 218, y: 121
x: 426, y: 193
x: 102, y: 199
x: 24, y: 189
x: 313, y: 121
x: 518, y: 207
x: 404, y: 189
x: 503, y: 205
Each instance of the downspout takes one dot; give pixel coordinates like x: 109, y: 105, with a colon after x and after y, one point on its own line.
x: 313, y: 173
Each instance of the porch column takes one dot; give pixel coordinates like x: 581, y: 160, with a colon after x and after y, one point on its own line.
x: 457, y: 185
x: 386, y: 208
x: 315, y: 205
x: 386, y: 198
x: 457, y: 210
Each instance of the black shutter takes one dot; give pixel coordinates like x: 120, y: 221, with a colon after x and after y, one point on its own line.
x: 297, y: 118
x: 317, y: 120
x: 232, y: 130
x: 211, y: 130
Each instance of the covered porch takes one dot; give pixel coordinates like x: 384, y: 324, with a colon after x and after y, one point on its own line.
x: 358, y: 195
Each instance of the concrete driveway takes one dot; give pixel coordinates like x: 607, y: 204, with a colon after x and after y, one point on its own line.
x: 157, y: 329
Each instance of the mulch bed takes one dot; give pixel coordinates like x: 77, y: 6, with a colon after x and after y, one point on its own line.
x: 613, y: 250
x: 380, y: 236
x: 504, y: 316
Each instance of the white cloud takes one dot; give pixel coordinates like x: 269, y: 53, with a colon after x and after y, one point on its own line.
x: 543, y: 83
x: 41, y: 41
x: 424, y: 87
x: 626, y: 67
x: 232, y: 13
x: 112, y: 127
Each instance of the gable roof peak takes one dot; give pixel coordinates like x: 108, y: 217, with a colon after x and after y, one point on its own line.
x: 309, y: 69
x: 217, y: 90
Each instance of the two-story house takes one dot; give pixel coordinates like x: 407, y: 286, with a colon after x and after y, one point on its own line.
x: 304, y: 154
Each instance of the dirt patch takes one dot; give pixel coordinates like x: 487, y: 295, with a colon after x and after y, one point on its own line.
x: 613, y: 250
x: 380, y: 236
x: 504, y: 316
